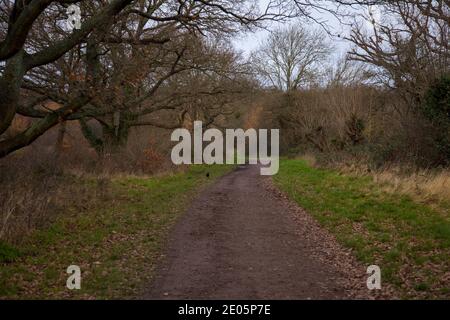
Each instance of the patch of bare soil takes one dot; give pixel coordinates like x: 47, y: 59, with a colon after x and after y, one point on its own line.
x: 243, y: 239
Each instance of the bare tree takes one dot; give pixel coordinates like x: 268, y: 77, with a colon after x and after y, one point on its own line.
x: 32, y: 35
x: 347, y: 72
x: 196, y: 80
x: 408, y: 46
x: 291, y: 57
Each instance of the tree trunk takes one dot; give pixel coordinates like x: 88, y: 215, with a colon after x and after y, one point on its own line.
x: 114, y: 136
x: 10, y: 84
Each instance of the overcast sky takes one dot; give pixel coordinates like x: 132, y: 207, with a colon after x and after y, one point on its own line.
x: 250, y: 41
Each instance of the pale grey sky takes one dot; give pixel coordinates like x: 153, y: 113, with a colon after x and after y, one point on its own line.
x: 250, y: 41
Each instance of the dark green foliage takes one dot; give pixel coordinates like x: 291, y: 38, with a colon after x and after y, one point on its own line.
x: 436, y: 108
x: 437, y: 102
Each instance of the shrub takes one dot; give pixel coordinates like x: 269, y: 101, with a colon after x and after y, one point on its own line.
x: 437, y: 102
x: 436, y: 108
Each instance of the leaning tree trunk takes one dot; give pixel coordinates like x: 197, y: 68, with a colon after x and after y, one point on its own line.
x: 10, y: 83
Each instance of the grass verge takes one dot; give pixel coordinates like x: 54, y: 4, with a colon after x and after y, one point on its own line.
x: 410, y: 241
x: 115, y: 243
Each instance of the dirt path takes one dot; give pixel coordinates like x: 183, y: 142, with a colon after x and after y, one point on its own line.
x: 240, y: 240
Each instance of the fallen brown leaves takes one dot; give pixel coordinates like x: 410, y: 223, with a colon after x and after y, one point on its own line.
x: 351, y: 274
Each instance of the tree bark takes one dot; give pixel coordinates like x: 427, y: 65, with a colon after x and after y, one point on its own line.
x: 40, y: 126
x: 10, y: 84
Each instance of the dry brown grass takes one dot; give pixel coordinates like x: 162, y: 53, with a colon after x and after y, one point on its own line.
x: 44, y: 180
x: 39, y: 185
x: 428, y: 186
x: 32, y: 201
x: 36, y: 188
x: 424, y: 185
